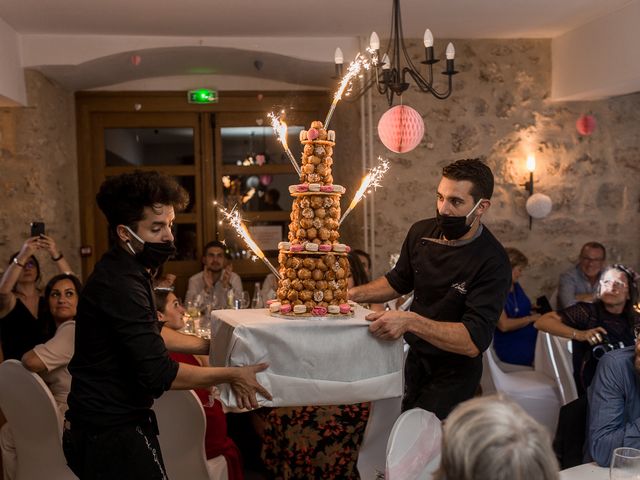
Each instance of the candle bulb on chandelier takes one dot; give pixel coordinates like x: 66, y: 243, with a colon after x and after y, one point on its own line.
x: 338, y: 59
x: 374, y: 42
x: 428, y: 47
x: 450, y: 53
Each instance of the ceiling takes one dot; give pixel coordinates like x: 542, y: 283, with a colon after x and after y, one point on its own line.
x: 282, y: 18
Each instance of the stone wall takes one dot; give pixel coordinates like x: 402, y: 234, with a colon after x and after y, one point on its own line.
x: 39, y: 179
x: 500, y: 111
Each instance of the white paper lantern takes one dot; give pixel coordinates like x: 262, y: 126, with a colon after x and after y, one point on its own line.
x: 539, y: 205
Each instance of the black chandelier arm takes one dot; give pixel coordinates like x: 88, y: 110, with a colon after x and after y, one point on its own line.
x: 428, y: 87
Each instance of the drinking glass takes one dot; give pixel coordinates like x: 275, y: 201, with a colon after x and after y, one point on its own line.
x: 625, y: 464
x: 246, y: 300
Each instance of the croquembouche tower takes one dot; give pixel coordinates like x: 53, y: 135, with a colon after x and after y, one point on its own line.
x: 313, y: 264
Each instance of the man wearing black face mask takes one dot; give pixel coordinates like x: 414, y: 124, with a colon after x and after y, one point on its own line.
x: 460, y: 275
x: 121, y: 362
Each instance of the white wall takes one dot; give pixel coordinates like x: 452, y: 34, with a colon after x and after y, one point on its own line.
x: 599, y: 59
x: 12, y: 87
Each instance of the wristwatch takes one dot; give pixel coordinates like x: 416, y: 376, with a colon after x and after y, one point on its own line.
x: 17, y: 262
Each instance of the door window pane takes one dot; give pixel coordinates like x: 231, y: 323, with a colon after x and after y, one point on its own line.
x: 186, y: 241
x: 246, y: 146
x: 188, y: 182
x: 148, y: 146
x: 265, y: 192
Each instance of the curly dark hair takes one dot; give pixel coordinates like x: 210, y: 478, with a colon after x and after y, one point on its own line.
x: 123, y: 198
x: 474, y: 171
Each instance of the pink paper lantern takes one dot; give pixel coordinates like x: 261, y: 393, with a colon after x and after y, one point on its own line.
x: 401, y: 128
x: 586, y: 124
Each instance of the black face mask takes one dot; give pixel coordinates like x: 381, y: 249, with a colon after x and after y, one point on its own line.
x: 454, y: 227
x: 153, y: 254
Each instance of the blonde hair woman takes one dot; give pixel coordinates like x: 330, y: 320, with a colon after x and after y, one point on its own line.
x: 490, y: 437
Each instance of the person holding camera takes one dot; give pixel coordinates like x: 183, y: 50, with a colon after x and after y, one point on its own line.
x: 21, y: 324
x: 607, y: 324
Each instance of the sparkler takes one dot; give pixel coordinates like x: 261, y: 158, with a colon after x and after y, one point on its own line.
x: 371, y: 180
x: 280, y: 129
x: 234, y: 219
x: 358, y: 64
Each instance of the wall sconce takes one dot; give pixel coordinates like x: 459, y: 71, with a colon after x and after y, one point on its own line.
x: 538, y: 204
x: 531, y: 166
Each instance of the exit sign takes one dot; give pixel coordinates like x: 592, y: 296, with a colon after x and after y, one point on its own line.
x: 202, y: 96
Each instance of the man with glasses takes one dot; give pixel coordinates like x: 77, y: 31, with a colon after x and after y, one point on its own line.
x: 579, y: 283
x: 614, y: 404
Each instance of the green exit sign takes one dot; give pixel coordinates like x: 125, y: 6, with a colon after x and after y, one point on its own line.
x: 202, y: 96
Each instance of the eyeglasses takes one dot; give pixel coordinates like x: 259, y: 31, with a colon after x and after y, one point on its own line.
x: 30, y: 264
x: 592, y: 260
x: 614, y: 284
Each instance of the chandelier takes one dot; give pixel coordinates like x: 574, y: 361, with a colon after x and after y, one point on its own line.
x: 389, y: 76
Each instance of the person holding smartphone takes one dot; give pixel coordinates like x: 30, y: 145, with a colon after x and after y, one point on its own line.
x: 21, y: 324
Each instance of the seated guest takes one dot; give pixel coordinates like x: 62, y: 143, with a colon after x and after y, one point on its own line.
x: 21, y: 325
x: 51, y: 358
x: 493, y: 438
x: 365, y: 259
x: 579, y: 283
x: 215, y: 279
x: 216, y: 441
x: 614, y: 404
x: 610, y: 320
x: 269, y: 287
x: 358, y: 276
x: 515, y: 337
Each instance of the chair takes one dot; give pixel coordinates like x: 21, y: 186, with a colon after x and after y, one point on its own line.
x: 371, y: 457
x: 181, y: 422
x: 413, y: 450
x: 36, y: 424
x: 553, y: 359
x: 533, y: 391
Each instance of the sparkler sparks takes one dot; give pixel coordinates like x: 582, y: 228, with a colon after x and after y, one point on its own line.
x: 370, y: 181
x: 235, y: 220
x: 280, y: 129
x: 353, y: 71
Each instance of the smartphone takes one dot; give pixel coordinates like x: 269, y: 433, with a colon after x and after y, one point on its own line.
x: 37, y: 229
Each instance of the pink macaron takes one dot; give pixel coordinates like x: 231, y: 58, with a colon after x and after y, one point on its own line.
x: 345, y: 308
x: 303, y: 187
x: 312, y: 134
x: 319, y: 311
x: 286, y: 308
x: 326, y: 188
x: 296, y: 247
x: 325, y: 248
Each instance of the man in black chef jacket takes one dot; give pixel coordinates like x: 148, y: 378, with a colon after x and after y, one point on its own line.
x: 460, y: 275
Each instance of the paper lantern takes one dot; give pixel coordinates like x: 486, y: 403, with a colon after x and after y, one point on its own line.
x: 586, y: 124
x: 135, y: 60
x: 539, y: 205
x: 401, y: 128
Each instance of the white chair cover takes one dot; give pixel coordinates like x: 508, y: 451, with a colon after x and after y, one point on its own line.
x: 553, y: 359
x: 372, y: 454
x: 36, y: 424
x: 181, y: 422
x: 413, y: 450
x: 533, y: 391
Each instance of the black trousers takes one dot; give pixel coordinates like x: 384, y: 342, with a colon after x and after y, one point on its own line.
x: 124, y: 452
x: 439, y: 383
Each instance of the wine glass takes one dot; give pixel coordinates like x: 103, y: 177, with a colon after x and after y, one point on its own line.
x: 625, y: 464
x: 245, y: 300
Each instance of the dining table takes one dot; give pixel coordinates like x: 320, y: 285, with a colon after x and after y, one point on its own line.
x: 586, y: 471
x: 312, y: 360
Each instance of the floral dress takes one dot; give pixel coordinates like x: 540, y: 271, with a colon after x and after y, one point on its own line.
x: 313, y: 442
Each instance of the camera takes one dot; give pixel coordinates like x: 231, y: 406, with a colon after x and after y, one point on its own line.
x: 606, y: 346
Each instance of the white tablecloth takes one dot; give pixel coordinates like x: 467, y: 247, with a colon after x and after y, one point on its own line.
x: 587, y: 471
x: 311, y: 361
